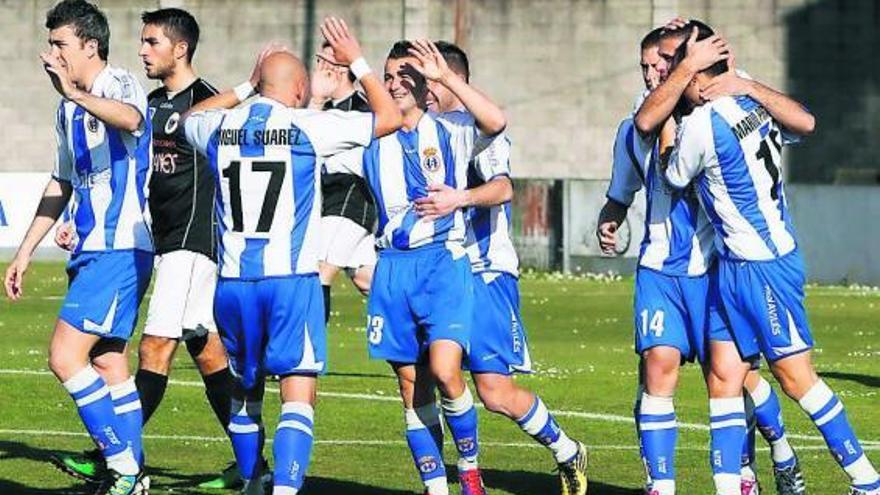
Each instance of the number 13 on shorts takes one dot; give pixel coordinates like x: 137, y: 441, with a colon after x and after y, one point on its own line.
x: 375, y: 324
x: 653, y: 323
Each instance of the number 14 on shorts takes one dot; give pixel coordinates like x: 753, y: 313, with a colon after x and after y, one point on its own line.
x: 653, y: 323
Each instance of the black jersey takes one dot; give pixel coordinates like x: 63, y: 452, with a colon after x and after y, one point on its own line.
x: 347, y: 195
x: 181, y: 183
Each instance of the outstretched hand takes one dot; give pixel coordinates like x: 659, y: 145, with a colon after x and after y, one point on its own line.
x: 346, y: 48
x: 431, y: 63
x: 58, y: 74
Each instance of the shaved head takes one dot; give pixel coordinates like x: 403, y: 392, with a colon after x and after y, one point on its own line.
x: 283, y: 77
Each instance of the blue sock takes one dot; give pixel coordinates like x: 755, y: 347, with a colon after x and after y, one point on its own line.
x: 92, y: 397
x: 293, y: 447
x: 247, y: 436
x: 727, y: 423
x: 461, y: 416
x: 542, y: 426
x: 826, y: 411
x: 658, y: 434
x: 426, y: 453
x: 127, y: 406
x: 769, y: 416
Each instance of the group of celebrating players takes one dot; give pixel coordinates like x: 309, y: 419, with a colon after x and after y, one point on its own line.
x: 249, y: 207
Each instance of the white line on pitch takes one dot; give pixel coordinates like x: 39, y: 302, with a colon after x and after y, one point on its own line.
x: 611, y: 418
x: 374, y: 443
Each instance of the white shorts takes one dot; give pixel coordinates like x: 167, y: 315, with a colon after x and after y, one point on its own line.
x: 183, y: 295
x: 346, y: 244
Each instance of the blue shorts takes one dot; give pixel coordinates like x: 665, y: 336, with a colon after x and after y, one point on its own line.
x: 272, y: 326
x: 675, y: 312
x: 104, y: 292
x: 764, y: 303
x: 498, y: 337
x: 418, y: 297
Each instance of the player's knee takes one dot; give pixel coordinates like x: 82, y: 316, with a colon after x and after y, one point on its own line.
x: 449, y: 379
x: 155, y: 353
x: 661, y: 370
x: 795, y: 382
x: 209, y: 354
x: 362, y: 279
x: 63, y: 365
x: 494, y: 397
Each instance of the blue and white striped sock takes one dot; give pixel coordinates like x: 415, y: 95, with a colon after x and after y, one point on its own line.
x: 542, y: 426
x: 770, y: 424
x: 127, y: 406
x: 727, y: 423
x: 247, y: 435
x: 827, y: 412
x: 658, y: 434
x: 427, y: 455
x: 293, y: 447
x: 461, y: 416
x: 92, y: 397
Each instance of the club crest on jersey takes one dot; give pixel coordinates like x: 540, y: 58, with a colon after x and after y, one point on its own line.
x: 92, y: 123
x: 431, y: 160
x: 171, y: 123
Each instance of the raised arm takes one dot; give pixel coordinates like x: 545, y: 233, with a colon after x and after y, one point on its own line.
x: 489, y: 117
x: 347, y: 51
x: 115, y: 113
x: 230, y: 98
x: 787, y: 111
x: 658, y: 106
x: 55, y: 198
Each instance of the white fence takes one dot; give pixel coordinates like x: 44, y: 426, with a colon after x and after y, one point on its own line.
x: 837, y: 226
x: 837, y: 230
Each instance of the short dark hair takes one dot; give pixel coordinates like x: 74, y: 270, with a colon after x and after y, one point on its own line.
x: 400, y: 49
x: 351, y: 76
x: 455, y: 57
x: 651, y: 39
x: 703, y: 32
x: 88, y: 23
x: 178, y: 25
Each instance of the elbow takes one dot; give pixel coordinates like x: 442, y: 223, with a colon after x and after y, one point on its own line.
x: 495, y: 125
x: 506, y: 192
x: 388, y: 122
x: 133, y: 124
x: 809, y: 125
x: 642, y: 124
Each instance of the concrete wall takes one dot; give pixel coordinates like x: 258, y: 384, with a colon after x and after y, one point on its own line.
x: 565, y: 70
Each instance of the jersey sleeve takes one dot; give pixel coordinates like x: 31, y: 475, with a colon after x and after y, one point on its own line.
x: 629, y: 157
x: 333, y: 131
x: 125, y: 88
x: 347, y: 162
x: 494, y: 161
x: 466, y: 137
x: 688, y: 157
x: 63, y: 161
x: 200, y: 126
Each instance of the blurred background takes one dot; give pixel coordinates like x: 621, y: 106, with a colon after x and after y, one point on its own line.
x: 565, y: 71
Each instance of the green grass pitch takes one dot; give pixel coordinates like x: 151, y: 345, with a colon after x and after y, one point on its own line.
x: 580, y: 333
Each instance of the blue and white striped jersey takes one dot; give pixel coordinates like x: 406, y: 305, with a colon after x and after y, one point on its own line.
x: 731, y: 148
x: 678, y: 236
x: 107, y: 168
x: 489, y: 244
x: 267, y: 160
x: 399, y: 167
